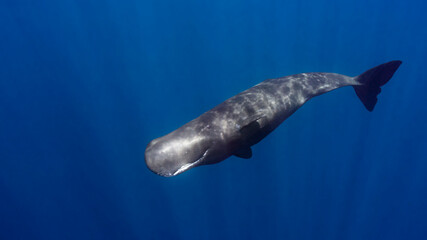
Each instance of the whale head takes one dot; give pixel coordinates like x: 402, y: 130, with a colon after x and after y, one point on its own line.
x: 175, y: 153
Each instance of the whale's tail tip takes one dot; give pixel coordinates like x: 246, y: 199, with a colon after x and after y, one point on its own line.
x: 371, y: 82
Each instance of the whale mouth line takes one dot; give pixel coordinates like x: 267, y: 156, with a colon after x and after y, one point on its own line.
x: 189, y: 165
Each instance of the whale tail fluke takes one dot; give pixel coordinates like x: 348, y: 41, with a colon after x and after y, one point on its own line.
x: 371, y: 82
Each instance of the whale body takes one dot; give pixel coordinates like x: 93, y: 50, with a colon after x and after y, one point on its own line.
x: 232, y: 127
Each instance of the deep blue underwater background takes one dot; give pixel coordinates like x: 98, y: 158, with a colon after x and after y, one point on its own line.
x: 85, y: 85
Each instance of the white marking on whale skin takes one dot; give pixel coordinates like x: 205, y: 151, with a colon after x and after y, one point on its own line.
x: 188, y: 165
x: 182, y: 142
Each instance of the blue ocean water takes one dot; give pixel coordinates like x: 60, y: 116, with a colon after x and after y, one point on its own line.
x: 85, y: 85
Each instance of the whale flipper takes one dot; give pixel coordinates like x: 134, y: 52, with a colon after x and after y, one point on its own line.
x: 245, y: 153
x: 372, y: 80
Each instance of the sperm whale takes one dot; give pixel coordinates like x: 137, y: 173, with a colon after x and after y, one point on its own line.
x: 232, y: 127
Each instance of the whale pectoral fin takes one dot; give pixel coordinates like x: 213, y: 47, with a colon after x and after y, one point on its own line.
x: 245, y: 153
x: 252, y: 126
x: 250, y: 129
x: 253, y: 119
x: 253, y: 131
